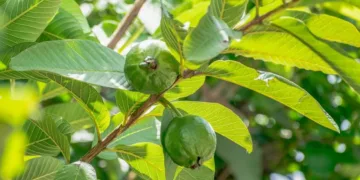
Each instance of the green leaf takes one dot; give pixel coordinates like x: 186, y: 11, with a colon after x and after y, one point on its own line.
x: 45, y: 138
x: 6, y: 56
x: 273, y: 45
x: 185, y: 87
x: 81, y: 60
x: 145, y: 130
x: 73, y: 113
x: 43, y: 168
x: 25, y: 20
x: 194, y: 14
x: 224, y: 121
x: 272, y: 86
x: 69, y: 23
x: 88, y: 98
x: 263, y: 2
x: 206, y: 41
x: 346, y: 67
x: 129, y: 101
x: 173, y: 32
x: 76, y: 171
x: 328, y: 27
x: 11, y: 74
x: 230, y: 11
x: 52, y: 90
x: 146, y: 158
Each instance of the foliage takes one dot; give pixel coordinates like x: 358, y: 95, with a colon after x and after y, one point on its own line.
x: 67, y: 110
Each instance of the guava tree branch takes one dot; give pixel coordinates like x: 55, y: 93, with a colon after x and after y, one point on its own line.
x: 125, y: 23
x: 260, y: 19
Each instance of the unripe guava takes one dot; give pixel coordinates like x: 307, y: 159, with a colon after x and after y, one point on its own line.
x: 189, y: 140
x: 150, y: 68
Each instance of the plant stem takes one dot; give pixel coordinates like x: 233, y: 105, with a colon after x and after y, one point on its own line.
x: 257, y: 8
x: 167, y: 103
x: 260, y: 19
x: 132, y: 38
x: 125, y: 23
x: 12, y: 87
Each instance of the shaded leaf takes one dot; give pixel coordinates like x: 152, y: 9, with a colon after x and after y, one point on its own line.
x: 69, y: 23
x: 230, y: 11
x: 76, y: 171
x: 272, y: 86
x: 206, y: 41
x: 45, y: 138
x: 25, y: 20
x: 82, y: 60
x: 129, y: 101
x: 43, y: 168
x: 52, y: 90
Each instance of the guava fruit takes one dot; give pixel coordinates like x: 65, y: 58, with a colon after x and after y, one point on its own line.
x: 150, y: 68
x: 190, y: 141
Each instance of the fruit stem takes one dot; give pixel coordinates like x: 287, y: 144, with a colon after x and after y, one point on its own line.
x: 167, y: 103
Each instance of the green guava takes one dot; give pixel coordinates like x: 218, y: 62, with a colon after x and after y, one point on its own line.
x: 190, y: 141
x: 150, y: 68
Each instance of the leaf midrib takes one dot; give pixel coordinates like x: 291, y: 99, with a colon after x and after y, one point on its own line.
x: 21, y: 14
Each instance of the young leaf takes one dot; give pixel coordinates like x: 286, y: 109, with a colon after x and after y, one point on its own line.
x: 129, y: 101
x: 25, y: 20
x: 46, y: 139
x: 43, y: 168
x: 206, y: 41
x: 346, y: 67
x: 88, y: 98
x: 146, y: 158
x: 69, y: 23
x: 186, y: 87
x: 82, y: 60
x: 230, y: 11
x: 76, y: 171
x: 328, y: 27
x: 273, y: 45
x: 272, y: 86
x: 73, y: 113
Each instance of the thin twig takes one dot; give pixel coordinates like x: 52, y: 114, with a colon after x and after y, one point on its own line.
x: 125, y: 23
x: 260, y: 19
x: 257, y: 13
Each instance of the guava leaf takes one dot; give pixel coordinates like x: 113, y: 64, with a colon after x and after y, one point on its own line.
x: 129, y: 101
x: 230, y: 11
x: 185, y: 87
x: 52, y: 90
x: 73, y: 113
x: 81, y: 60
x: 206, y: 41
x: 45, y: 138
x: 145, y: 130
x: 346, y: 67
x: 76, y: 171
x: 327, y: 27
x: 25, y: 20
x: 42, y: 168
x: 272, y: 86
x: 69, y: 23
x: 88, y: 98
x: 146, y: 158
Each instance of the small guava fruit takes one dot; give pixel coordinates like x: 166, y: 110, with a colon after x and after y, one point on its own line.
x: 150, y: 68
x: 189, y: 140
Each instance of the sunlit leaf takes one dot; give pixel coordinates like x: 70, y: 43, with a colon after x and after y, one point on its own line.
x: 272, y: 86
x: 129, y: 101
x: 43, y: 168
x: 82, y: 60
x: 185, y: 88
x: 146, y: 158
x: 346, y: 67
x: 24, y: 20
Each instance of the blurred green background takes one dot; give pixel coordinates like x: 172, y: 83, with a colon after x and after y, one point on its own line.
x: 287, y: 145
